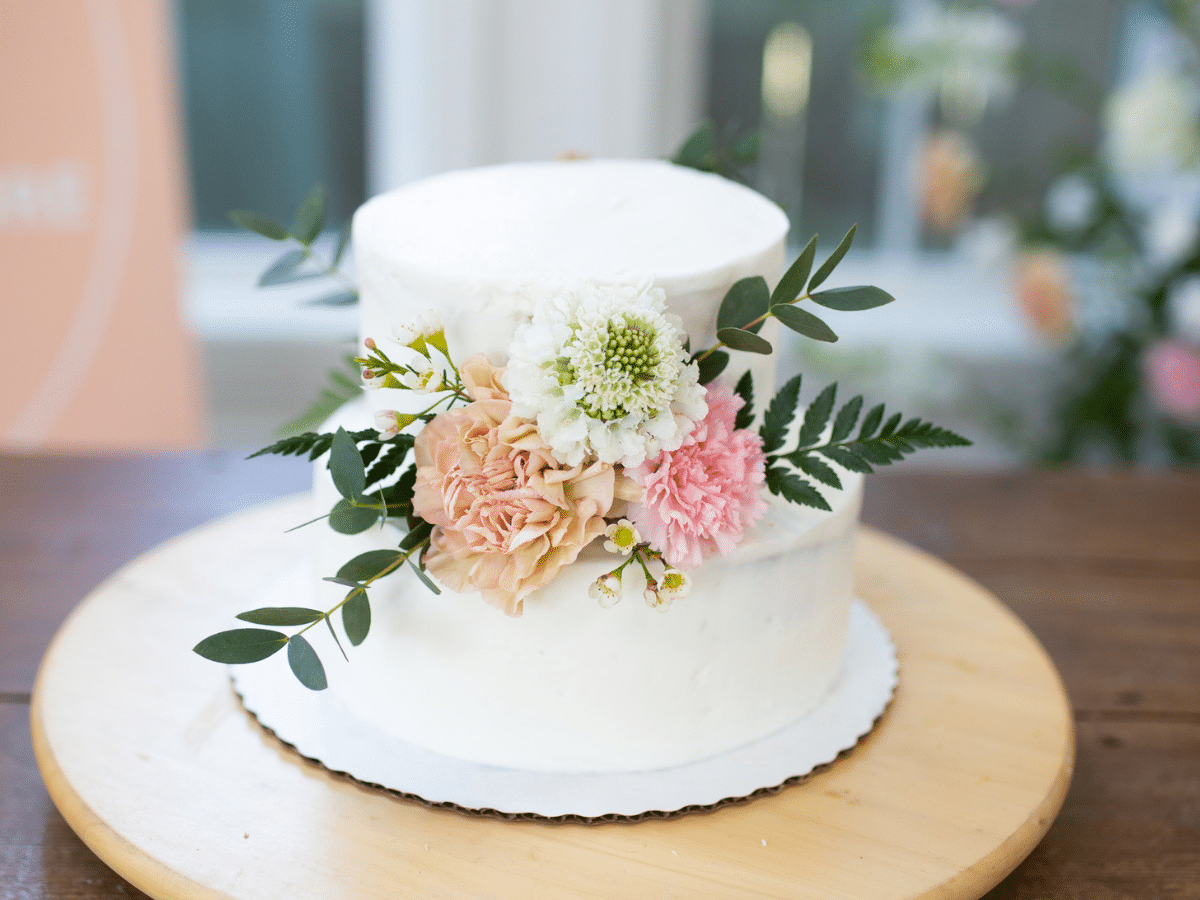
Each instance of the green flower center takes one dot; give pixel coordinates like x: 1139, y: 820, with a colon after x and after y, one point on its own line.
x: 630, y: 349
x: 623, y: 537
x: 672, y: 581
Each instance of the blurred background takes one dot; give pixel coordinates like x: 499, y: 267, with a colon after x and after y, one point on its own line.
x: 1024, y: 174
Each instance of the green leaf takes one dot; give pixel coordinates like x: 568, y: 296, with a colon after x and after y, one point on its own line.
x: 387, y: 464
x: 926, y: 434
x: 344, y: 582
x: 745, y: 301
x: 356, y: 617
x: 305, y: 664
x: 778, y: 416
x: 871, y: 422
x: 712, y: 365
x: 794, y: 489
x: 697, y: 148
x: 340, y: 298
x: 846, y: 417
x: 736, y: 339
x: 791, y: 285
x: 310, y: 217
x: 348, y: 519
x: 401, y: 493
x: 344, y: 385
x: 259, y: 224
x: 835, y: 257
x: 241, y: 645
x: 875, y: 452
x: 343, y: 243
x: 847, y: 460
x: 283, y: 270
x: 803, y: 322
x: 369, y: 564
x: 816, y: 417
x: 851, y: 299
x: 425, y: 580
x: 281, y: 616
x: 745, y: 390
x: 416, y: 535
x: 890, y: 425
x: 811, y: 465
x: 746, y: 148
x: 346, y: 467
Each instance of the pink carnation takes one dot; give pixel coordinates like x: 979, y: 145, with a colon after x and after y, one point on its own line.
x: 701, y: 498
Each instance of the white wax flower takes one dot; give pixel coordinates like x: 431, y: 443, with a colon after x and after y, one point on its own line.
x: 426, y: 380
x: 674, y: 584
x: 426, y: 324
x: 601, y: 367
x: 606, y: 590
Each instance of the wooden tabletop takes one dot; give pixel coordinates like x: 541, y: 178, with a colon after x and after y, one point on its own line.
x: 1104, y: 568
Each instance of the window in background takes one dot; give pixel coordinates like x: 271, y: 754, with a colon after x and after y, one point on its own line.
x: 273, y: 100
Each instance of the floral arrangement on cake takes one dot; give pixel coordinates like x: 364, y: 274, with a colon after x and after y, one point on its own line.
x: 604, y: 425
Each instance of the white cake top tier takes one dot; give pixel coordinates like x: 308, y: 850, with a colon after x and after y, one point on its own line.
x: 481, y: 246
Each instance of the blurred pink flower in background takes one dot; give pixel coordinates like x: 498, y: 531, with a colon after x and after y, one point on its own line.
x: 1042, y: 285
x: 1173, y: 379
x: 950, y: 174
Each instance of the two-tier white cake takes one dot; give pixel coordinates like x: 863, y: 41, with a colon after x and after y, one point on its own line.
x: 570, y: 686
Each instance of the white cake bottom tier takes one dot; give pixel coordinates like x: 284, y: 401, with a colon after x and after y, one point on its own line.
x: 572, y: 687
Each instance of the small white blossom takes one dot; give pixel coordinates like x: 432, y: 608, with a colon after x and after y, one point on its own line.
x: 388, y: 423
x: 601, y: 367
x: 606, y: 589
x: 426, y: 380
x: 1151, y: 123
x: 674, y: 584
x: 622, y: 537
x: 425, y: 325
x: 655, y: 599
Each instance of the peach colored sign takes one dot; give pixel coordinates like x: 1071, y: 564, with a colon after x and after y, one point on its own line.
x: 93, y: 355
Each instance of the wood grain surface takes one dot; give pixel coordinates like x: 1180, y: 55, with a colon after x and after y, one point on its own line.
x: 1104, y: 568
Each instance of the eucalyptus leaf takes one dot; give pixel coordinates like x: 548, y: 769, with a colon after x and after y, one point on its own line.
x: 712, y: 365
x: 852, y: 299
x: 310, y: 216
x: 346, y: 518
x: 356, y: 617
x: 283, y: 270
x: 835, y: 257
x: 746, y: 300
x: 416, y: 536
x: 746, y: 148
x: 281, y: 616
x: 747, y: 341
x: 241, y: 645
x: 252, y: 221
x: 424, y: 578
x: 816, y: 417
x: 791, y: 285
x: 778, y: 416
x: 339, y: 298
x: 343, y: 243
x: 745, y: 390
x: 697, y: 148
x: 346, y: 466
x: 846, y: 417
x: 803, y: 322
x: 369, y: 564
x: 306, y: 665
x: 344, y: 582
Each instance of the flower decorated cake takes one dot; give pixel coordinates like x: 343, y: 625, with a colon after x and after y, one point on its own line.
x: 567, y: 533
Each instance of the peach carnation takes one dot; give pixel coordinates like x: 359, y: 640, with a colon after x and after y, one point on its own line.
x: 701, y: 498
x: 507, y: 516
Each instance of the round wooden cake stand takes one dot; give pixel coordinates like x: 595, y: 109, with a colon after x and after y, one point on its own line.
x: 150, y: 758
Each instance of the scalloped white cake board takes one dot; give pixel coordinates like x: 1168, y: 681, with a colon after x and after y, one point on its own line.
x: 322, y: 729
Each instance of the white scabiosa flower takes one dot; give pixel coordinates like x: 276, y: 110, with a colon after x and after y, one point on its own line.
x: 606, y: 590
x: 602, y: 369
x: 622, y: 537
